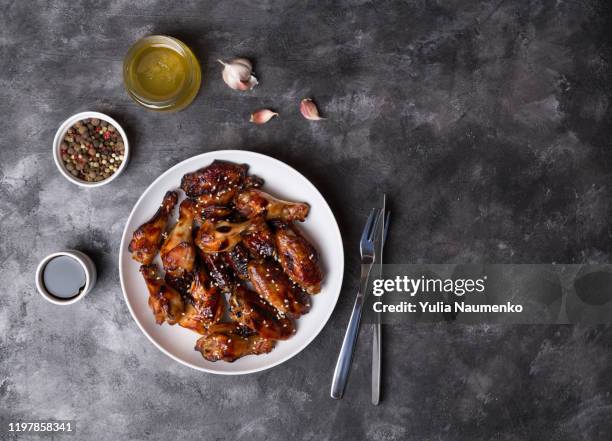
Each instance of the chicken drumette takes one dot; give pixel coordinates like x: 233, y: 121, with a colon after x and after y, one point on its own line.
x: 204, y: 304
x: 215, y: 213
x: 206, y: 297
x: 299, y: 259
x: 193, y: 319
x: 219, y: 271
x: 255, y: 234
x: 230, y: 341
x: 165, y: 302
x: 147, y: 238
x: 218, y: 183
x: 273, y: 285
x: 251, y: 203
x: 178, y: 252
x: 259, y: 239
x: 250, y: 310
x: 237, y: 260
x: 215, y: 237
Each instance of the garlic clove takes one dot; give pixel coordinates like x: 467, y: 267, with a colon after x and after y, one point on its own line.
x: 238, y: 74
x: 262, y: 116
x: 309, y: 110
x: 239, y: 66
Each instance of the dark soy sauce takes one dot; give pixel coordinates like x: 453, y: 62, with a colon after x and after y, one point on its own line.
x: 64, y: 277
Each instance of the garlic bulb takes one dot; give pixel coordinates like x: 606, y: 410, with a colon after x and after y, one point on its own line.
x: 309, y: 110
x: 262, y: 116
x: 238, y: 74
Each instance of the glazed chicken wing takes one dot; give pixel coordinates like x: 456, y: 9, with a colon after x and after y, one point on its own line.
x: 215, y: 213
x: 238, y: 259
x: 165, y: 302
x: 178, y: 252
x: 219, y: 177
x: 218, y: 183
x: 214, y: 237
x: 219, y: 271
x: 206, y: 297
x: 147, y: 238
x: 230, y: 341
x: 193, y: 319
x: 215, y: 199
x: 250, y: 310
x: 251, y: 203
x: 259, y: 239
x: 204, y: 305
x: 298, y: 257
x: 273, y: 285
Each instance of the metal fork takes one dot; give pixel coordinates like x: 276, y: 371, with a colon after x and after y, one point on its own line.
x: 366, y: 247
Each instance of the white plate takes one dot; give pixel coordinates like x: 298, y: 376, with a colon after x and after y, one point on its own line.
x: 320, y: 226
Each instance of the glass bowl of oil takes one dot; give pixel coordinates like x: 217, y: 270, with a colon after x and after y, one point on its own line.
x: 161, y: 73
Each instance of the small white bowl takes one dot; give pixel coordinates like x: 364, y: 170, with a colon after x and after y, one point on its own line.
x: 61, y: 132
x: 90, y: 276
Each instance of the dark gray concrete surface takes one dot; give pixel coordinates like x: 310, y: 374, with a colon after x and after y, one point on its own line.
x: 487, y: 122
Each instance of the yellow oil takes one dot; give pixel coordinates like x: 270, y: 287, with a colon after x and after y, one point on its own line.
x: 159, y: 72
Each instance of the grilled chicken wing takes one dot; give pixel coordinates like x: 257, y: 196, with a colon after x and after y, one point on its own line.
x: 220, y: 198
x: 215, y: 213
x: 273, y: 285
x: 219, y: 271
x: 238, y: 259
x: 259, y: 239
x: 250, y: 310
x: 178, y: 252
x: 193, y: 319
x: 217, y: 178
x: 214, y: 237
x: 253, y: 202
x: 165, y: 302
x: 218, y: 183
x: 207, y: 298
x: 230, y: 341
x: 204, y: 305
x: 147, y: 238
x: 298, y: 257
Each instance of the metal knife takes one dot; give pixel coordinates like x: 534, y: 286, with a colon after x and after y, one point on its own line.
x: 377, y: 326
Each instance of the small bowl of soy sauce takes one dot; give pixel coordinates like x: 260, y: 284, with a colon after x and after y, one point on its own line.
x: 65, y: 277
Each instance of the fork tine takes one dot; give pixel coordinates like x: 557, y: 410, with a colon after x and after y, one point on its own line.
x: 366, y: 230
x: 375, y: 227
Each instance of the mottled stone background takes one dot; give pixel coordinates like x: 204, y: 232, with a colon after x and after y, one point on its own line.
x: 487, y: 122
